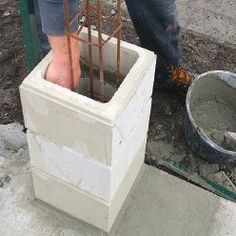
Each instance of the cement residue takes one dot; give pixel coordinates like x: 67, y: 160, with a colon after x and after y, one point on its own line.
x: 84, y: 89
x: 216, y: 118
x: 109, y: 83
x: 213, y: 107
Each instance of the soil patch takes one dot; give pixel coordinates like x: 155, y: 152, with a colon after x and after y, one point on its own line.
x: 12, y: 61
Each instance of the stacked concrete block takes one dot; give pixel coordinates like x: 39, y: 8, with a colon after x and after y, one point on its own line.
x: 86, y: 155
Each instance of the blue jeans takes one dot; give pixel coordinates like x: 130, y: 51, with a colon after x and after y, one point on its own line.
x: 156, y: 23
x: 50, y: 20
x: 52, y: 16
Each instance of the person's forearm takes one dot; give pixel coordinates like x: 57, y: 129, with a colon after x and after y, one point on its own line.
x: 53, y: 25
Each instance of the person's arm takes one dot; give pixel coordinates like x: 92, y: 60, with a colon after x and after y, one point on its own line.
x: 53, y: 25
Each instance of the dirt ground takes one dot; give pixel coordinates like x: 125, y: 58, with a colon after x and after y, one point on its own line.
x: 12, y: 61
x: 166, y: 133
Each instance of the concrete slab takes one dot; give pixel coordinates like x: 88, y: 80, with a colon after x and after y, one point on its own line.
x: 164, y: 205
x: 160, y: 204
x: 13, y: 136
x: 214, y: 18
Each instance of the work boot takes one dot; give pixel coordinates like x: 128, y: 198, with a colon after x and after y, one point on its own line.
x: 172, y: 78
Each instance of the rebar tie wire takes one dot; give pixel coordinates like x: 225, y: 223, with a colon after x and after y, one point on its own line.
x: 90, y: 8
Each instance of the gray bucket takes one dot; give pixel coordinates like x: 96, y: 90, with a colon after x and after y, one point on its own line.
x: 211, y: 114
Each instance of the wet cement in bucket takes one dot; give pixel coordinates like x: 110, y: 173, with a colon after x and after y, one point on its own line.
x: 214, y: 111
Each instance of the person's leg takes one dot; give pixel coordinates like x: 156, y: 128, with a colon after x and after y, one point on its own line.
x: 43, y: 41
x: 53, y: 25
x: 156, y: 23
x: 157, y: 26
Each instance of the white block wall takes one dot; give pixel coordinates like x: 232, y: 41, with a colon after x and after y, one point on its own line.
x: 78, y: 203
x: 91, y: 176
x: 89, y: 145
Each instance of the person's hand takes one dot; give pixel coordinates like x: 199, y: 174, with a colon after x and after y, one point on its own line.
x: 59, y: 71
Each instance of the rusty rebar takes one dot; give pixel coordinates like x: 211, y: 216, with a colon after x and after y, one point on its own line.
x: 118, y: 18
x: 94, y: 9
x: 90, y: 50
x: 67, y: 22
x: 101, y: 64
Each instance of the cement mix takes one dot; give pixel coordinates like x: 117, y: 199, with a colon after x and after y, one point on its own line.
x: 216, y: 118
x: 214, y: 109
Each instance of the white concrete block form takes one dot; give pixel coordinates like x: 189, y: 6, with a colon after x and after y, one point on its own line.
x: 82, y: 205
x: 84, y: 146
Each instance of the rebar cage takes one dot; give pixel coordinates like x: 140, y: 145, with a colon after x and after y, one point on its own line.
x: 92, y: 11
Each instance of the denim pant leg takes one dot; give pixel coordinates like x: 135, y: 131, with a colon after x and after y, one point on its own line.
x: 156, y: 23
x: 52, y: 16
x: 50, y: 20
x: 43, y: 40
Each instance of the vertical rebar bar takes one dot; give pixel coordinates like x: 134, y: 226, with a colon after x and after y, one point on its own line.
x: 90, y: 49
x: 118, y: 19
x: 90, y: 7
x: 100, y: 45
x: 68, y: 33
